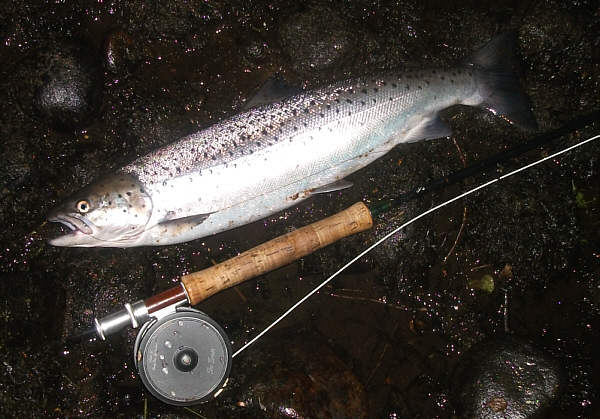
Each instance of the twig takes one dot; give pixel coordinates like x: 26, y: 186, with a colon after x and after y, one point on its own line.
x: 193, y: 412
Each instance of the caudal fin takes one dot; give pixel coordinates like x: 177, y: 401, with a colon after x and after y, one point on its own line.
x: 498, y: 83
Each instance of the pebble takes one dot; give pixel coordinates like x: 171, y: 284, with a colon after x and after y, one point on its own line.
x: 506, y: 377
x: 120, y: 52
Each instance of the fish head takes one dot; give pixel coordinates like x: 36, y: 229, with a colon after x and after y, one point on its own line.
x: 112, y: 212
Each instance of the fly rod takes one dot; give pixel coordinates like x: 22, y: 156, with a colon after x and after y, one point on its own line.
x: 175, y: 339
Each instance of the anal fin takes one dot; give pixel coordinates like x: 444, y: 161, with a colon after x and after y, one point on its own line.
x: 428, y: 129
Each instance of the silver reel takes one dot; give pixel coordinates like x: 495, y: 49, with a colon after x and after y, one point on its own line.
x: 183, y: 358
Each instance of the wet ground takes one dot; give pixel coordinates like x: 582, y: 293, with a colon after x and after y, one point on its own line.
x: 390, y: 337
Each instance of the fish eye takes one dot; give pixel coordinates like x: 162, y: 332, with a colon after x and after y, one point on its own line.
x: 83, y: 206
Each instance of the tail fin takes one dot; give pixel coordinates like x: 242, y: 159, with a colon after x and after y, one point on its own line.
x: 498, y: 82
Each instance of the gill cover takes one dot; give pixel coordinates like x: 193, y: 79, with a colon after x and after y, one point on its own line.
x: 111, y: 212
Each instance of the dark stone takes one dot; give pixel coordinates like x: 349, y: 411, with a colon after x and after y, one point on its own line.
x: 316, y: 39
x: 61, y: 84
x: 120, y: 52
x: 506, y: 377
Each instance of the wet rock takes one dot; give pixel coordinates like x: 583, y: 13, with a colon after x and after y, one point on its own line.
x: 316, y: 39
x: 301, y: 377
x: 61, y: 84
x: 506, y: 377
x: 120, y: 53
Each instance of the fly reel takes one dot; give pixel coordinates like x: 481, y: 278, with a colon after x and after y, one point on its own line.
x: 183, y: 358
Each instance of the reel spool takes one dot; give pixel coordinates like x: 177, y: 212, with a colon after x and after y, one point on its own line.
x: 183, y: 358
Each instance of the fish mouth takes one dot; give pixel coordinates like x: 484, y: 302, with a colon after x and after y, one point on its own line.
x: 76, y: 225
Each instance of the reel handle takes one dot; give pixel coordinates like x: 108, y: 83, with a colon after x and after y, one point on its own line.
x: 276, y: 253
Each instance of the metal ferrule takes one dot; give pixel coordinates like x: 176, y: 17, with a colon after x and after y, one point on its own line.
x: 133, y: 315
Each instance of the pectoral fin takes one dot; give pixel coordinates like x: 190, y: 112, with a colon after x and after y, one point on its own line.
x: 185, y: 222
x: 332, y: 187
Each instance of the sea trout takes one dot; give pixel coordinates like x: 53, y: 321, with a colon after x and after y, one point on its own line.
x: 274, y: 156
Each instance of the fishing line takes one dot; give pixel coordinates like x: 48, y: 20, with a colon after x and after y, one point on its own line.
x: 397, y: 229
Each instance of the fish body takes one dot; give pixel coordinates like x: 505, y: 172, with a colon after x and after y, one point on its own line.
x: 272, y: 157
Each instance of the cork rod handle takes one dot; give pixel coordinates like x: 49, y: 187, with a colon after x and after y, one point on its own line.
x: 277, y: 252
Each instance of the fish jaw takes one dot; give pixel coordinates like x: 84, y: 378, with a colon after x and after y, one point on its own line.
x: 81, y: 231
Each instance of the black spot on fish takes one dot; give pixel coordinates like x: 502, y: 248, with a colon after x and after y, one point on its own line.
x: 129, y: 193
x: 305, y: 124
x: 337, y: 100
x: 109, y: 203
x: 394, y: 85
x: 374, y: 100
x: 391, y: 98
x: 348, y: 101
x: 451, y: 80
x: 258, y: 143
x: 141, y: 190
x: 362, y: 102
x: 295, y: 111
x: 433, y: 71
x: 349, y: 113
x: 264, y: 131
x: 214, y: 157
x: 328, y: 106
x: 383, y: 83
x: 312, y: 103
x: 364, y: 91
x: 376, y: 90
x: 419, y: 87
x: 120, y: 196
x: 322, y: 115
x: 442, y: 77
x: 337, y: 110
x: 427, y: 82
x: 407, y: 87
x: 295, y: 128
x: 306, y: 110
